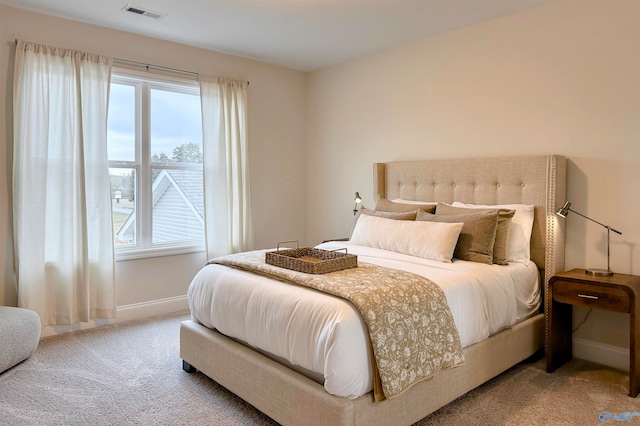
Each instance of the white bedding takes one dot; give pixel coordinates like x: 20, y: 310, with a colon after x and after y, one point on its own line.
x: 325, y: 337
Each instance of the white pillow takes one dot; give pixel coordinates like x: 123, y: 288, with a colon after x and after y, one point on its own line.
x: 428, y: 240
x: 519, y: 245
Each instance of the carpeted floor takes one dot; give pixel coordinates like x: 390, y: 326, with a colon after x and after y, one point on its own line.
x: 131, y: 374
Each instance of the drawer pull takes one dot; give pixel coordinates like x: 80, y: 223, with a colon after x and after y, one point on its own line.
x: 588, y: 296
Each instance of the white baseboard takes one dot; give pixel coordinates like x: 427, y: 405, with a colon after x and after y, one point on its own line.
x: 152, y: 308
x: 601, y: 353
x: 124, y: 313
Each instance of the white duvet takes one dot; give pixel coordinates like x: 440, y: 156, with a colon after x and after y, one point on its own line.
x: 325, y: 337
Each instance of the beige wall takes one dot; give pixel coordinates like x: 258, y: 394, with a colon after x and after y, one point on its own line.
x: 561, y: 78
x: 277, y: 99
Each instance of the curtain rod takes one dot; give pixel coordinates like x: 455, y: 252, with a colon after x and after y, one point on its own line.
x: 158, y: 67
x: 155, y: 67
x: 150, y: 66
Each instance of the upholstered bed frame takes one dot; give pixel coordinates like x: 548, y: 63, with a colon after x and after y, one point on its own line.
x: 293, y: 399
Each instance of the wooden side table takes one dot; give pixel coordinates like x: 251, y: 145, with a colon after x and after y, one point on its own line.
x: 617, y: 293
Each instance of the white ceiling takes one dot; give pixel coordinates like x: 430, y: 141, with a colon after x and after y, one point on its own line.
x: 303, y: 35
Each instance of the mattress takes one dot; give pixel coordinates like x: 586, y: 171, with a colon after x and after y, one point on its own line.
x: 325, y: 337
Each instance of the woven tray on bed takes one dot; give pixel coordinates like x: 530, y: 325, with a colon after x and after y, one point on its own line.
x: 311, y: 260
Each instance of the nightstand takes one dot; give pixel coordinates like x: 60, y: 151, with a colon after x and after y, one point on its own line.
x: 617, y: 293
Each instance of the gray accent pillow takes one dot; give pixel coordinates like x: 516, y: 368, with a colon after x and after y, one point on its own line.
x: 501, y: 244
x: 477, y: 237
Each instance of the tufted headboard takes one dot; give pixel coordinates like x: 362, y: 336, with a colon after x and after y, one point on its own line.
x: 537, y: 180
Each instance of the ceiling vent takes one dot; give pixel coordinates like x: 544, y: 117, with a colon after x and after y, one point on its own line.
x: 143, y: 12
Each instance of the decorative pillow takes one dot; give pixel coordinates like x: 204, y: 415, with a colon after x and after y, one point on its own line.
x: 405, y: 206
x: 396, y: 215
x: 405, y: 201
x: 477, y: 236
x: 519, y: 245
x: 500, y: 246
x: 434, y: 241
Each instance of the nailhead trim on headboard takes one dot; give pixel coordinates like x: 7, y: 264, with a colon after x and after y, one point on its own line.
x: 537, y: 180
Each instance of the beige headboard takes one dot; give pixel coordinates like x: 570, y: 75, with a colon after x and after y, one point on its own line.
x: 537, y: 180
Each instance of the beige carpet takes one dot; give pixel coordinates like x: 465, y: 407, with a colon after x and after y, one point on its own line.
x: 131, y: 374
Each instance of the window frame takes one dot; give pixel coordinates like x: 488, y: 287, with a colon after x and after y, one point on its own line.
x: 144, y: 83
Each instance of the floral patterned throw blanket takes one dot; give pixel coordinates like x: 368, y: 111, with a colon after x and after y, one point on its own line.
x: 412, y: 332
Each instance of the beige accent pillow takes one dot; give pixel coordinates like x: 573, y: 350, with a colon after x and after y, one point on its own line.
x: 392, y: 206
x: 397, y: 215
x: 434, y: 241
x: 387, y: 215
x: 505, y: 218
x: 477, y: 236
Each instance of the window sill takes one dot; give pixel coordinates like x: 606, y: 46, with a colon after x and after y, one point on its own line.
x: 156, y: 251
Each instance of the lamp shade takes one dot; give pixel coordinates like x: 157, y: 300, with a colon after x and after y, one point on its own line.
x: 564, y: 210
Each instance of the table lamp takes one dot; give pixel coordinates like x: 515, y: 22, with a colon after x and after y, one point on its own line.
x: 357, y: 200
x: 563, y: 211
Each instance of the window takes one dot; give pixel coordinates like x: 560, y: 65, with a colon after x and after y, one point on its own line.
x: 154, y: 137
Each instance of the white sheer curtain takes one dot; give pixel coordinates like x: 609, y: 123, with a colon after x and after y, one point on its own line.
x: 226, y: 166
x: 62, y: 208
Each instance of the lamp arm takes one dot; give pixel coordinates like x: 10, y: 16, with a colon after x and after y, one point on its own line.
x: 614, y: 230
x: 592, y: 220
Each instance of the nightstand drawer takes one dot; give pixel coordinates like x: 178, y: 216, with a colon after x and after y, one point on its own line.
x: 608, y: 298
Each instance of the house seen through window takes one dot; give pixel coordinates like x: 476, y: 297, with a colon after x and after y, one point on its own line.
x: 154, y: 135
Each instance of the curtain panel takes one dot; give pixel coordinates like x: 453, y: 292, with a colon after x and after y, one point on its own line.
x: 228, y: 224
x: 61, y: 203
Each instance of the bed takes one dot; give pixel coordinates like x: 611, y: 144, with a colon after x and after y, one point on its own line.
x: 294, y: 396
